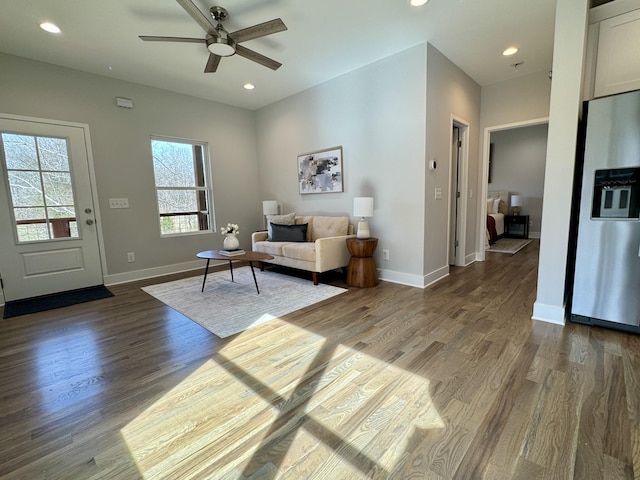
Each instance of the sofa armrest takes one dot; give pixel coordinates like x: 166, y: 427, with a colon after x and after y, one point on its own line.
x: 332, y: 252
x: 260, y: 236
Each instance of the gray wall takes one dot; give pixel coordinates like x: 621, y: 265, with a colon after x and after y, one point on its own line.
x: 122, y: 156
x: 377, y: 115
x: 518, y: 164
x: 390, y: 117
x: 525, y: 97
x: 450, y: 92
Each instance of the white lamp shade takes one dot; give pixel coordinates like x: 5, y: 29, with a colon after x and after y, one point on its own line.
x: 363, y: 206
x: 516, y: 200
x: 269, y: 207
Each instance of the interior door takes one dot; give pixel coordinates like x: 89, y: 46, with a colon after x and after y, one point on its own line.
x: 47, y: 222
x: 455, y: 194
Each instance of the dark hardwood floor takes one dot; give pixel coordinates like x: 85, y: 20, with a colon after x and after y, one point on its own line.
x: 454, y: 381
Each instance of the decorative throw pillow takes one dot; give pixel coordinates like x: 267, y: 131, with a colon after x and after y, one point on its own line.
x: 289, y: 233
x: 490, y: 205
x: 288, y: 219
x: 496, y: 206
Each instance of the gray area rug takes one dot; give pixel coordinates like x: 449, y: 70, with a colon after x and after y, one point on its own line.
x: 508, y: 245
x: 226, y: 308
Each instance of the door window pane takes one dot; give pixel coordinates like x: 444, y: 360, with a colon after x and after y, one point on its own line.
x: 39, y: 180
x: 20, y: 152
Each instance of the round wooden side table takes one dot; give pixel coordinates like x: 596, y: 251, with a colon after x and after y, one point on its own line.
x: 362, y: 271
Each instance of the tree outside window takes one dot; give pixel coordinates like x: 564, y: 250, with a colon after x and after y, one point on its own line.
x: 39, y: 178
x: 182, y: 187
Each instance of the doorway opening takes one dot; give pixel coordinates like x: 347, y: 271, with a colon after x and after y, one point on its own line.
x: 515, y: 166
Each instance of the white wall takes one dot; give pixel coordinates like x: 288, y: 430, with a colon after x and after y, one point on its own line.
x: 122, y: 155
x: 518, y: 163
x: 377, y: 114
x: 568, y: 63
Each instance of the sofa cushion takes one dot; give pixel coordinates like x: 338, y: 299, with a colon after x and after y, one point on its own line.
x: 270, y: 248
x: 288, y: 219
x: 300, y: 251
x: 323, y: 227
x: 288, y: 233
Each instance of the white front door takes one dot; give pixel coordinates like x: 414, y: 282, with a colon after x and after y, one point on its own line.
x: 48, y: 235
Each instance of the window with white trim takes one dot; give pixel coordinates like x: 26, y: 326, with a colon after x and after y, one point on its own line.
x: 181, y: 170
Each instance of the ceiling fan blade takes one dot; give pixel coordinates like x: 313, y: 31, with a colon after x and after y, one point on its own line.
x: 258, y: 58
x: 260, y: 30
x: 148, y: 38
x: 200, y: 18
x: 212, y: 63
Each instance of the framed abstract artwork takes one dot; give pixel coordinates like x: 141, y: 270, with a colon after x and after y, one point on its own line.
x: 321, y: 171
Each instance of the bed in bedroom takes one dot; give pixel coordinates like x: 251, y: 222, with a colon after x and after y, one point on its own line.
x: 497, y: 208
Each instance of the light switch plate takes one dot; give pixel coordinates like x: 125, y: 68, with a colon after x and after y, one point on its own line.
x: 118, y: 203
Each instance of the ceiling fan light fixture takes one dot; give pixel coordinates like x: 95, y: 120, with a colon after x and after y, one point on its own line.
x: 249, y: 86
x: 510, y: 51
x: 222, y: 46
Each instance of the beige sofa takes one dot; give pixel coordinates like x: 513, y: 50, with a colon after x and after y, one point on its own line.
x: 325, y: 247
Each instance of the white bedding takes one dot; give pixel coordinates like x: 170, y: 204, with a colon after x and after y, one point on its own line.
x: 502, y: 208
x: 499, y: 218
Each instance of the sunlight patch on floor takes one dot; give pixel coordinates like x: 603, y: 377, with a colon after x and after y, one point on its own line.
x: 286, y: 397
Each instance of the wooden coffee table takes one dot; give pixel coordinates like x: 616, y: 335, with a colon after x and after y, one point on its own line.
x: 247, y: 256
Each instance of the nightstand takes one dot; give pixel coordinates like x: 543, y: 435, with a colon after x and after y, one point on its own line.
x: 516, y: 226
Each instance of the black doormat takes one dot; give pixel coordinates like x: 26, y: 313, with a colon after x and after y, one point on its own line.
x: 16, y: 308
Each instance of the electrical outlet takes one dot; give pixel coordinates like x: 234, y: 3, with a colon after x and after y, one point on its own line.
x: 385, y: 254
x: 131, y: 257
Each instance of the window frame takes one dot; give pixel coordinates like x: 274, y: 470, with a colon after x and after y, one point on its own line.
x: 207, y: 189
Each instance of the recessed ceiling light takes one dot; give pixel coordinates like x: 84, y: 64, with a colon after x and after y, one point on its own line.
x: 50, y: 27
x: 510, y: 51
x: 249, y: 86
x: 418, y: 3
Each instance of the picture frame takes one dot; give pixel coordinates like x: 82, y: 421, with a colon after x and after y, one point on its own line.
x: 320, y: 171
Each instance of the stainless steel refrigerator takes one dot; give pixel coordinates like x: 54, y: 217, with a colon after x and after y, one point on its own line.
x: 606, y: 281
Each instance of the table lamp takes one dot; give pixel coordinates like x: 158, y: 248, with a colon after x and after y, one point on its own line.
x: 516, y: 203
x: 363, y: 208
x: 269, y: 207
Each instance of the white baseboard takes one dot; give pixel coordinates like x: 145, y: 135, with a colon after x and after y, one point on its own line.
x: 548, y: 313
x: 411, y: 280
x: 136, y: 275
x: 436, y: 275
x: 400, y: 278
x: 469, y: 259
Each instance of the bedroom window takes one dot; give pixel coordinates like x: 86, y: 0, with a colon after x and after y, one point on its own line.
x: 182, y: 186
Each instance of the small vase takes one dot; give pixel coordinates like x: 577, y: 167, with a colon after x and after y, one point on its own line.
x: 230, y: 242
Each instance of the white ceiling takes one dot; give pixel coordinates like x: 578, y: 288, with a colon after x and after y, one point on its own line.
x: 325, y: 38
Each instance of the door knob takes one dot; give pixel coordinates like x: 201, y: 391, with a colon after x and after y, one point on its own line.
x: 89, y: 222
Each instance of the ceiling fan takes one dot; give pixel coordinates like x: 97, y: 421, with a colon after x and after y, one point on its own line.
x: 221, y: 43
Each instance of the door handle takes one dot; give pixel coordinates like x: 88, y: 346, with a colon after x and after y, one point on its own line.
x: 89, y: 222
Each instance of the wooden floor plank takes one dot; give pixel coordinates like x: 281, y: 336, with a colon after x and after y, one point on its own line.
x: 454, y: 381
